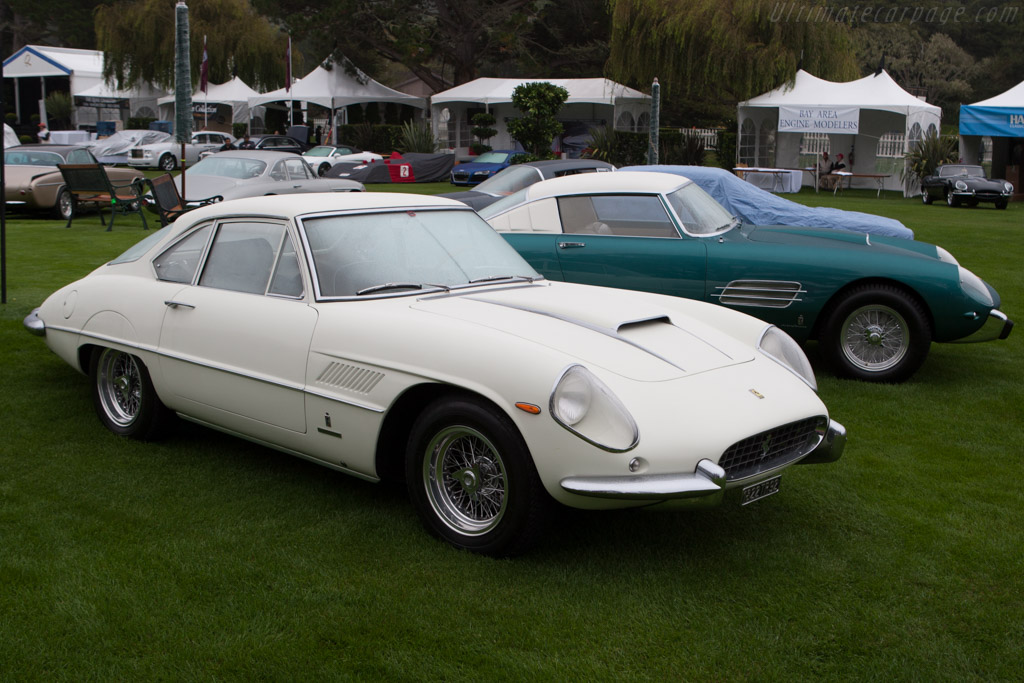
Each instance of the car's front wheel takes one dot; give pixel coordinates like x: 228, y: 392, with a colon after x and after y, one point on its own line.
x: 1001, y: 203
x: 926, y: 198
x: 168, y: 162
x: 471, y: 478
x: 123, y: 395
x: 952, y: 199
x: 324, y: 168
x: 65, y: 204
x: 876, y: 333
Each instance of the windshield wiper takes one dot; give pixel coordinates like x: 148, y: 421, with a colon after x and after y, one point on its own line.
x: 495, y: 278
x: 389, y: 285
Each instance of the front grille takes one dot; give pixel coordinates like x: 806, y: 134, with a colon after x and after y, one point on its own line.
x: 763, y: 293
x: 136, y: 153
x: 460, y: 176
x: 773, y: 448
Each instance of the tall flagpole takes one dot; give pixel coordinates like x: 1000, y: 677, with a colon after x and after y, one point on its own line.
x: 204, y: 80
x: 288, y: 84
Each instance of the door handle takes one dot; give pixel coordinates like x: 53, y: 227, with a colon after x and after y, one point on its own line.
x: 176, y: 304
x: 571, y: 245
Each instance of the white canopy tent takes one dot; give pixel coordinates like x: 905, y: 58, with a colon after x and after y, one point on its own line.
x: 872, y: 121
x: 83, y: 68
x: 592, y: 102
x: 92, y: 102
x: 992, y: 134
x: 235, y: 94
x: 334, y: 89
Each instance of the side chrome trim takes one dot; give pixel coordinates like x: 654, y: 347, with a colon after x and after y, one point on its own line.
x: 33, y: 323
x: 707, y: 479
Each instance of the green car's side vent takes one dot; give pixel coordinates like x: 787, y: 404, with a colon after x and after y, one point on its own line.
x: 763, y: 293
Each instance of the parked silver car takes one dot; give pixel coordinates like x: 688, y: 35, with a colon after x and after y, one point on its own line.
x: 167, y: 155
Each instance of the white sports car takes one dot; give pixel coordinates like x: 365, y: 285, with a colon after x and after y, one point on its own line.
x: 398, y: 336
x: 323, y: 157
x: 167, y: 155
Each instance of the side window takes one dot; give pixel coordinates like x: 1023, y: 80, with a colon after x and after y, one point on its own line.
x: 180, y: 262
x: 297, y: 169
x: 242, y: 256
x: 622, y: 215
x: 279, y: 172
x: 80, y: 156
x: 287, y: 281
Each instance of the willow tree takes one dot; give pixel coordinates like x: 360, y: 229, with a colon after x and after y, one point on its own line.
x: 726, y: 50
x: 138, y: 39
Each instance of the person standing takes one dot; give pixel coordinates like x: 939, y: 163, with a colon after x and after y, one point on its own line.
x: 246, y: 143
x: 44, y: 133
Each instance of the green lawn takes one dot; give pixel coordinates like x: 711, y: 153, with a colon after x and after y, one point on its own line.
x: 204, y: 557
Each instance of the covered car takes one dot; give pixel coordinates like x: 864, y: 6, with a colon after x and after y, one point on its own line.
x: 166, y: 155
x: 393, y: 336
x: 515, y: 178
x: 965, y: 184
x: 874, y: 303
x: 251, y: 173
x: 755, y: 206
x: 411, y: 167
x: 115, y: 149
x: 33, y: 182
x: 484, y: 166
x: 322, y: 157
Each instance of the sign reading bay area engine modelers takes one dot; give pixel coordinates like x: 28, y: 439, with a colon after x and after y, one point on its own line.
x: 845, y: 120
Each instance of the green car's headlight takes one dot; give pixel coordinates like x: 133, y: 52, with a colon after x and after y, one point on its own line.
x: 585, y: 406
x: 784, y: 350
x: 945, y: 256
x: 974, y: 286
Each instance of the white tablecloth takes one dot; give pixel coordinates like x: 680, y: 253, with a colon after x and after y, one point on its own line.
x: 774, y: 179
x: 69, y: 137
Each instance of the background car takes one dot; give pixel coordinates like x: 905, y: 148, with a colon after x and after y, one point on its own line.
x: 483, y: 167
x: 32, y: 180
x: 874, y: 303
x: 759, y: 207
x: 279, y: 143
x: 361, y: 332
x: 322, y: 157
x: 251, y: 173
x: 517, y: 177
x: 965, y: 184
x: 115, y: 148
x: 167, y: 155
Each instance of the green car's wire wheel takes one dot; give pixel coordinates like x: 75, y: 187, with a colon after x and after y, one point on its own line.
x: 877, y: 333
x: 472, y: 480
x: 123, y: 395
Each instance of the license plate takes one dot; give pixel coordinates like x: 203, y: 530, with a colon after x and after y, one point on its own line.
x: 760, y: 490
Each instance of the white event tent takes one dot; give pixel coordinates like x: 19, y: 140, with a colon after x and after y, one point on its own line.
x: 1001, y: 120
x: 235, y: 94
x: 334, y: 89
x: 83, y: 69
x: 592, y: 102
x: 872, y: 121
x: 137, y: 101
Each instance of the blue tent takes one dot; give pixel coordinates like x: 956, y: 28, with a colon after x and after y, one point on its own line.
x: 999, y: 116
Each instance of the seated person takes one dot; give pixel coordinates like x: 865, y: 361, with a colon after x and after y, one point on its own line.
x: 838, y: 165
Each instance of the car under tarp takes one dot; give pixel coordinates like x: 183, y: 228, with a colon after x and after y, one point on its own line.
x: 759, y: 207
x: 413, y: 167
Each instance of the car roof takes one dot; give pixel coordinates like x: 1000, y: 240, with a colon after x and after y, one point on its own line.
x: 292, y: 205
x: 620, y: 181
x: 46, y: 147
x: 267, y: 155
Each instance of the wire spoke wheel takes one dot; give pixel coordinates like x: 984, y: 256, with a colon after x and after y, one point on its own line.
x: 465, y: 480
x: 119, y: 382
x: 875, y: 338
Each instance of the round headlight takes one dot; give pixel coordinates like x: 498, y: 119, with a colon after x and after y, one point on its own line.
x: 1008, y: 187
x: 961, y: 185
x: 784, y: 350
x: 585, y: 406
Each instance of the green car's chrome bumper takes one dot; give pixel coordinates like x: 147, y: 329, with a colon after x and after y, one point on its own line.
x: 997, y: 326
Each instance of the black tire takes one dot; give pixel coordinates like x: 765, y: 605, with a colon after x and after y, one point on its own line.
x: 876, y: 333
x: 951, y: 199
x: 167, y: 162
x: 123, y: 395
x: 324, y: 168
x: 488, y: 498
x: 1001, y: 204
x: 926, y: 198
x: 972, y: 203
x: 65, y: 204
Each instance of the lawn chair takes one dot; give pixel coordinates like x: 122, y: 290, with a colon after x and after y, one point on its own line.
x: 168, y: 201
x: 90, y: 184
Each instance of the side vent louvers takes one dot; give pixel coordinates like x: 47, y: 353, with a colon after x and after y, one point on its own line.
x: 350, y: 378
x: 763, y: 293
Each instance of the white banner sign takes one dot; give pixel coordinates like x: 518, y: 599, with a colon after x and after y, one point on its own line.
x: 844, y: 120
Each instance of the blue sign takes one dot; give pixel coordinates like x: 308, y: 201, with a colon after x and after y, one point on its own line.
x: 1004, y: 122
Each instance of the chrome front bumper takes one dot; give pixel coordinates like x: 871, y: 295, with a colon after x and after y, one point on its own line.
x: 708, y: 479
x: 34, y: 324
x: 997, y: 326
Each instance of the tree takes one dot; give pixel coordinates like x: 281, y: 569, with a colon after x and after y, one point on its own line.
x: 540, y: 103
x: 59, y: 23
x: 723, y: 51
x: 138, y: 39
x: 482, y: 123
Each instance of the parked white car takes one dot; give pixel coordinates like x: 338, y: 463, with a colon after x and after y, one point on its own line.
x: 322, y: 157
x: 395, y: 336
x: 167, y: 155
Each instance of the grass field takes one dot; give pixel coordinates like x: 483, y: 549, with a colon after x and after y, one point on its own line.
x: 204, y: 557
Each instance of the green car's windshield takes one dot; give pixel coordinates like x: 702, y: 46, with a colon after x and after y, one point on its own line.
x: 395, y: 252
x: 698, y: 211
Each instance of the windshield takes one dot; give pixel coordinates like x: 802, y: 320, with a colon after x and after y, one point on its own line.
x: 970, y: 171
x: 228, y: 167
x: 492, y: 158
x: 504, y: 204
x: 698, y: 211
x: 31, y: 157
x: 510, y: 180
x: 320, y: 151
x: 407, y: 250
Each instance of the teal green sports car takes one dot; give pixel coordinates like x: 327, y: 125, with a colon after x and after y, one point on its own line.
x: 874, y: 303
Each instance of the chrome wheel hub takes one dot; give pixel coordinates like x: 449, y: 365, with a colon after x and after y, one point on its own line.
x: 875, y: 338
x: 120, y: 386
x: 465, y: 480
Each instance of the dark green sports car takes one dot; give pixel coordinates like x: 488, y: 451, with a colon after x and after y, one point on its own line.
x: 874, y: 303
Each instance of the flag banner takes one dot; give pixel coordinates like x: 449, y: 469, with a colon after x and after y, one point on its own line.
x: 204, y: 70
x: 288, y: 67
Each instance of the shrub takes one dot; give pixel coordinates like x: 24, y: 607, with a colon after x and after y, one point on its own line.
x: 417, y: 137
x: 540, y: 103
x: 931, y: 150
x: 686, y: 148
x: 482, y: 123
